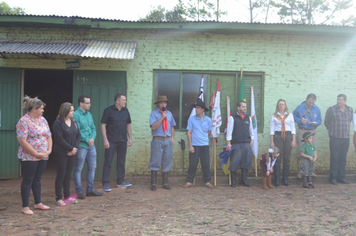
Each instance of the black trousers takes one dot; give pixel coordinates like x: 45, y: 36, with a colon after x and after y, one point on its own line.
x: 120, y: 149
x: 338, y: 153
x: 65, y: 166
x: 31, y: 173
x: 202, y: 153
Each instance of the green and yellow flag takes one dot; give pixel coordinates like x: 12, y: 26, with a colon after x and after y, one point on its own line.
x: 242, y: 94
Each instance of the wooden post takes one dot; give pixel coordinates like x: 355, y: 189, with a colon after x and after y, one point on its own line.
x: 214, y: 140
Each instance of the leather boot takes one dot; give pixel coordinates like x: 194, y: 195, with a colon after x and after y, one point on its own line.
x: 277, y: 169
x: 243, y: 178
x: 305, y: 182
x: 314, y: 175
x: 310, y: 183
x: 299, y: 175
x: 269, y: 182
x: 233, y: 179
x: 264, y: 183
x: 153, y: 180
x: 285, y: 175
x: 165, y: 181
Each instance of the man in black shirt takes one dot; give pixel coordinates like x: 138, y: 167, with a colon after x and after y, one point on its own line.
x: 115, y: 127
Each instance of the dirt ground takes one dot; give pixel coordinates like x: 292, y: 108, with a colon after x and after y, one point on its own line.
x: 292, y: 210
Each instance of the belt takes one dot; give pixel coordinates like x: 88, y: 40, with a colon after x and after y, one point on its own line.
x: 305, y: 128
x: 161, y: 138
x: 279, y: 132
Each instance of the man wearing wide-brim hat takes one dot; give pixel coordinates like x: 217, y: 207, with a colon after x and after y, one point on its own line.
x: 199, y: 129
x: 162, y: 125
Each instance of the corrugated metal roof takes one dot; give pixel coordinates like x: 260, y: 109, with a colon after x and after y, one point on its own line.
x: 82, y: 48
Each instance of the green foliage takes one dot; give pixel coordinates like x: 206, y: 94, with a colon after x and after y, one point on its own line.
x: 309, y: 11
x: 6, y: 9
x: 185, y: 11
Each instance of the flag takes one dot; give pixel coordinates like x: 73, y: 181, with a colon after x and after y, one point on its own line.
x: 216, y: 113
x: 201, y: 93
x: 242, y: 94
x: 225, y: 167
x: 254, y: 124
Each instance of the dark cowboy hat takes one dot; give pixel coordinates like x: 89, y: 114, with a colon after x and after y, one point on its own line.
x: 307, y: 135
x: 200, y: 103
x: 162, y: 98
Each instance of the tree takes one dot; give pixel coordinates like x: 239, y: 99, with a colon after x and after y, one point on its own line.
x: 309, y: 11
x: 6, y: 9
x: 191, y: 10
x: 262, y: 7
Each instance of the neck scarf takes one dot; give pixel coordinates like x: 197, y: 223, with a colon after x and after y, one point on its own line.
x: 310, y: 114
x: 164, y: 122
x: 283, y: 125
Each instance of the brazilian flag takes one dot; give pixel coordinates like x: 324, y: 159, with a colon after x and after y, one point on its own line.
x: 242, y: 94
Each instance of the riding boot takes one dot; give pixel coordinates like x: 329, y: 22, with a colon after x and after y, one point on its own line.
x: 305, y: 182
x: 165, y: 181
x: 264, y: 183
x: 285, y: 175
x: 299, y: 175
x: 153, y: 180
x: 233, y: 179
x: 243, y: 178
x: 277, y: 169
x: 310, y: 183
x: 269, y: 180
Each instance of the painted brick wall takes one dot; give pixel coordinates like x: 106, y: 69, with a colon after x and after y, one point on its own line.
x: 294, y: 66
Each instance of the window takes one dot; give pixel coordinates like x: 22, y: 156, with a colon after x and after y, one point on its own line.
x: 182, y: 89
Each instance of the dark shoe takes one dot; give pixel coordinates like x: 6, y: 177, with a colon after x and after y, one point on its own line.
x: 333, y: 182
x: 244, y: 178
x: 305, y: 182
x: 165, y: 181
x: 343, y: 181
x: 93, y: 194
x: 124, y: 184
x: 81, y: 196
x: 107, y: 188
x: 285, y: 175
x: 310, y: 183
x: 277, y: 170
x: 233, y: 179
x: 153, y: 180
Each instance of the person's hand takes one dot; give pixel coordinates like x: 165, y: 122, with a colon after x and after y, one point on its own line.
x: 314, y: 159
x: 271, y: 170
x: 69, y: 154
x: 191, y: 149
x: 251, y: 143
x: 129, y: 143
x: 106, y: 144
x: 272, y: 144
x: 172, y: 141
x: 293, y: 144
x: 268, y: 172
x: 74, y: 151
x: 228, y: 147
x: 41, y: 155
x: 91, y: 142
x: 304, y: 121
x: 313, y: 123
x: 164, y: 115
x: 311, y: 158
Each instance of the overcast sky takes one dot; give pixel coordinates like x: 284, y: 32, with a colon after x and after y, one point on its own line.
x: 125, y: 9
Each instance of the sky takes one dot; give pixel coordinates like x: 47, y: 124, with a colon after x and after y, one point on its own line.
x: 131, y: 10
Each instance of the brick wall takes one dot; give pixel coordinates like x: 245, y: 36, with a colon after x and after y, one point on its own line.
x: 294, y: 66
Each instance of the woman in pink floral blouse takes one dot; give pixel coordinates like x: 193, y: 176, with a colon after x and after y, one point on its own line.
x: 34, y: 137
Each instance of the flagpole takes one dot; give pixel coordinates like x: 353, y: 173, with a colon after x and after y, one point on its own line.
x: 255, y: 156
x: 228, y: 114
x: 214, y: 139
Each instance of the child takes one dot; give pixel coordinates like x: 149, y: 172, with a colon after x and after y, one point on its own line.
x: 308, y: 152
x: 267, y: 163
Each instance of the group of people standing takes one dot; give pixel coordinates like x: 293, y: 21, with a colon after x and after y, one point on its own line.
x: 74, y: 134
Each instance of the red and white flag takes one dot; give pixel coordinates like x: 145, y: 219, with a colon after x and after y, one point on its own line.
x: 216, y: 113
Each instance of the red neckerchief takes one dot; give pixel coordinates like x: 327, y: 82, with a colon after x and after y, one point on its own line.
x: 164, y: 122
x: 242, y: 116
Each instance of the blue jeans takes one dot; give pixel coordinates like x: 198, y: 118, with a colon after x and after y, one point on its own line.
x: 120, y: 149
x: 88, y: 156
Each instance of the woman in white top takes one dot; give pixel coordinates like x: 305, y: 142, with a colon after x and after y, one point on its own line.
x: 282, y: 135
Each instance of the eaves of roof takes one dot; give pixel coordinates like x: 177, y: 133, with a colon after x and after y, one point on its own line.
x: 36, y: 21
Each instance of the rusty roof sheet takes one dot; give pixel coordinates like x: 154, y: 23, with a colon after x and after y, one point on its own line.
x: 82, y: 48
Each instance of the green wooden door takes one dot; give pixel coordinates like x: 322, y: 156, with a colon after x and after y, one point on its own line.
x: 101, y: 87
x: 10, y: 88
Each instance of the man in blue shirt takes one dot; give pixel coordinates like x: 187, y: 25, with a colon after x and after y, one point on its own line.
x: 308, y: 117
x: 86, y: 151
x: 162, y: 125
x: 199, y: 129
